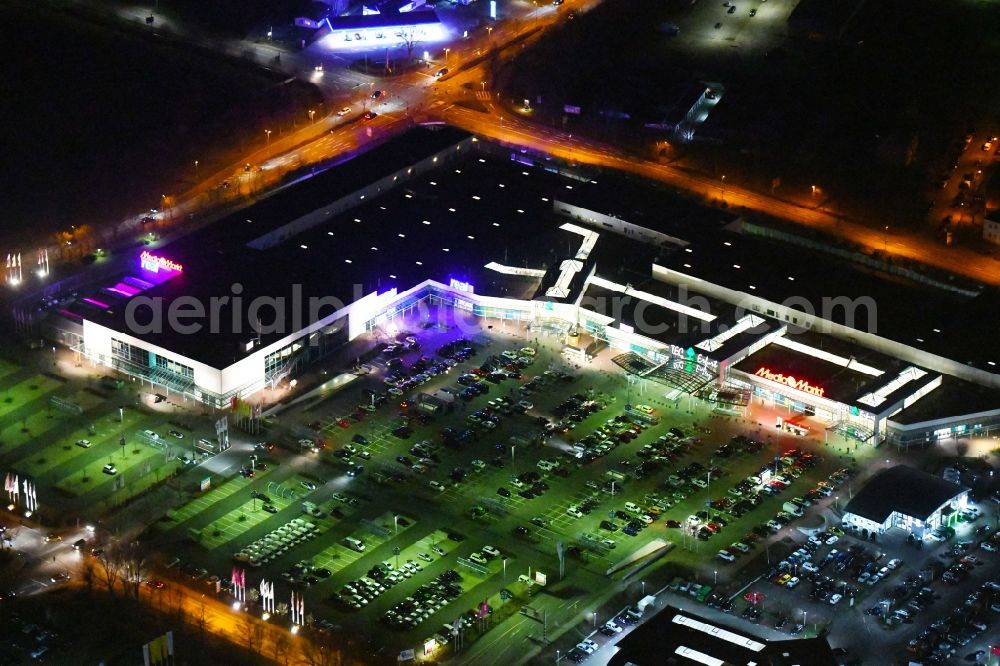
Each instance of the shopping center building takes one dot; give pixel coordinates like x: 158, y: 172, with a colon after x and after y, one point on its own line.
x: 689, y: 302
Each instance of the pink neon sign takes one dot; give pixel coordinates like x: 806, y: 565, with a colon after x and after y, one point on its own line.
x: 154, y: 263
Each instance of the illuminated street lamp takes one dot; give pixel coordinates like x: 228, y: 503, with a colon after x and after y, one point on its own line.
x: 196, y: 169
x: 312, y: 115
x: 446, y: 51
x: 267, y: 133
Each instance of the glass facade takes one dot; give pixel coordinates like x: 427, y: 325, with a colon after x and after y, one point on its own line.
x: 129, y: 353
x: 174, y: 367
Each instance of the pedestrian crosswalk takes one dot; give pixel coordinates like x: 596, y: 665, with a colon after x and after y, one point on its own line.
x: 483, y: 95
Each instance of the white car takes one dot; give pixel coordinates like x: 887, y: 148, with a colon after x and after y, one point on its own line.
x: 587, y: 646
x: 434, y: 485
x: 740, y: 546
x: 478, y: 464
x: 989, y: 547
x: 490, y: 551
x: 110, y: 469
x: 613, y: 626
x: 835, y: 599
x: 609, y: 543
x: 83, y: 443
x: 344, y: 111
x: 574, y: 511
x: 792, y: 582
x: 726, y: 556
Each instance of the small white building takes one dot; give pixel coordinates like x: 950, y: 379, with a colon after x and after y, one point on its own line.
x: 907, y: 498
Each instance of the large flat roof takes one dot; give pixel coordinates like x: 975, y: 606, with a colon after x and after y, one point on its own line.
x: 481, y: 208
x: 953, y: 324
x: 953, y: 398
x: 676, y: 636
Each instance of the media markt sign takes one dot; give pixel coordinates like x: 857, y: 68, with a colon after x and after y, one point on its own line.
x: 789, y: 380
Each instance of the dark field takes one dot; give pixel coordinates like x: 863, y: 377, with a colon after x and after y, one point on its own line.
x: 806, y: 110
x: 98, y: 122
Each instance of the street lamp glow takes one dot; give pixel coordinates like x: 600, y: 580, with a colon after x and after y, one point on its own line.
x: 236, y: 606
x: 295, y: 629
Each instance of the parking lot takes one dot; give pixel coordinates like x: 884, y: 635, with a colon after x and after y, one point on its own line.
x: 494, y: 461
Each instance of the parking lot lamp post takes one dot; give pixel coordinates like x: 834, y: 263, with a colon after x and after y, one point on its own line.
x: 512, y: 458
x: 557, y: 656
x: 716, y: 577
x: 595, y: 619
x: 643, y: 588
x: 804, y: 614
x: 505, y: 568
x: 121, y: 441
x: 395, y: 551
x: 395, y: 524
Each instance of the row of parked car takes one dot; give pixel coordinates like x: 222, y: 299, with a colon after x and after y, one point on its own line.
x: 938, y: 643
x: 425, y: 601
x: 357, y: 594
x: 612, y: 627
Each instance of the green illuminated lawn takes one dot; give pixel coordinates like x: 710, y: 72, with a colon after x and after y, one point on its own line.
x: 207, y: 499
x: 33, y: 388
x: 33, y: 427
x: 64, y: 450
x: 337, y: 556
x: 238, y: 521
x: 134, y: 465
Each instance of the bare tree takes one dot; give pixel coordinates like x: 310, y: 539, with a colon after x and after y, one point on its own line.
x: 280, y: 647
x: 319, y: 651
x: 133, y: 564
x: 201, y: 622
x: 89, y: 574
x: 408, y: 38
x: 253, y: 633
x: 111, y: 568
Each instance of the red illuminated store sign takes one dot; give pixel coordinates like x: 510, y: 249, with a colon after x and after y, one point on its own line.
x: 788, y: 380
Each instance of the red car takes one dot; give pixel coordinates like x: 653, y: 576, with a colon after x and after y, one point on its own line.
x: 343, y: 423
